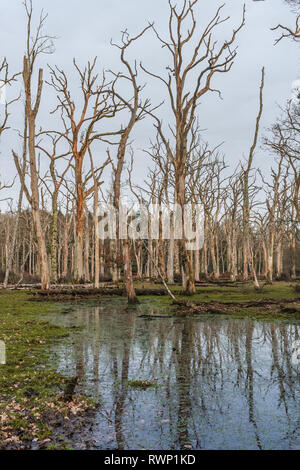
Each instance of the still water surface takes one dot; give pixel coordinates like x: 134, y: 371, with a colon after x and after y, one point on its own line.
x: 222, y: 383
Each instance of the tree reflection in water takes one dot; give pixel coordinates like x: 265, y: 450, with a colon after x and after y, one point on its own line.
x: 222, y: 383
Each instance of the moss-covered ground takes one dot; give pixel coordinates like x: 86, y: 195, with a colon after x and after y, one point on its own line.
x: 31, y: 393
x: 243, y: 292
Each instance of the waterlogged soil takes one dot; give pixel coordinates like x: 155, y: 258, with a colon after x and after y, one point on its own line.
x: 165, y: 381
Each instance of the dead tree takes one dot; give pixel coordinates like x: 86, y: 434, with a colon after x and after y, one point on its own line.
x: 80, y: 130
x: 137, y: 110
x: 57, y: 181
x: 284, y: 139
x: 8, y: 80
x: 36, y: 45
x: 246, y: 209
x: 290, y: 32
x: 232, y: 206
x: 96, y: 174
x: 283, y: 142
x: 190, y: 76
x: 274, y: 194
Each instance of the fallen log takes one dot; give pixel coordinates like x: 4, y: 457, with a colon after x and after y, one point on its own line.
x: 63, y: 294
x: 189, y: 307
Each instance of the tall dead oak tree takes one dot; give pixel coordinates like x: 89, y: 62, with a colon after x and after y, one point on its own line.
x: 194, y: 62
x: 80, y: 120
x: 247, y: 252
x: 137, y: 110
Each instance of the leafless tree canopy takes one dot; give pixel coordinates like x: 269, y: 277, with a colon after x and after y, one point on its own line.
x: 67, y: 173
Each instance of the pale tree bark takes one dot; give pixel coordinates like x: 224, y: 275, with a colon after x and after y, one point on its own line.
x: 6, y: 80
x: 160, y: 178
x: 272, y: 205
x: 232, y: 204
x: 11, y: 252
x: 36, y: 45
x: 284, y: 141
x: 99, y: 103
x: 86, y: 246
x: 171, y: 254
x: 137, y: 111
x: 204, y: 260
x: 57, y: 182
x: 233, y: 270
x: 279, y: 259
x: 293, y: 248
x: 184, y: 99
x: 246, y: 205
x: 96, y: 236
x: 288, y: 32
x: 96, y: 179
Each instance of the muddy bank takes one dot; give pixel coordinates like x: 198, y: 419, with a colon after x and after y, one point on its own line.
x: 274, y: 306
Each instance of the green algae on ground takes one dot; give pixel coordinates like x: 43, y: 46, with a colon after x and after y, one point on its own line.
x: 142, y: 384
x: 224, y: 295
x: 29, y: 388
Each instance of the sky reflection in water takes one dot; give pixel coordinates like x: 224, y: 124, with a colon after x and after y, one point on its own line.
x: 223, y: 383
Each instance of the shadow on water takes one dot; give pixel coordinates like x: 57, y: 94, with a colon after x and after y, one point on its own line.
x: 222, y: 383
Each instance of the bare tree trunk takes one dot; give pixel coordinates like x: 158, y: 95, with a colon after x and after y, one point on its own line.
x: 252, y: 269
x: 11, y: 249
x: 40, y: 45
x: 270, y: 256
x: 233, y: 271
x: 176, y: 258
x: 80, y: 202
x: 128, y: 280
x: 246, y: 208
x: 65, y: 252
x: 115, y: 254
x: 216, y: 271
x: 45, y: 276
x: 96, y: 238
x: 170, y: 263
x: 184, y: 100
x: 293, y: 251
x: 279, y: 259
x: 265, y: 259
x: 54, y: 236
x: 87, y: 247
x: 185, y: 255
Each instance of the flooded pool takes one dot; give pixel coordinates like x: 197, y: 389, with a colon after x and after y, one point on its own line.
x: 221, y: 383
